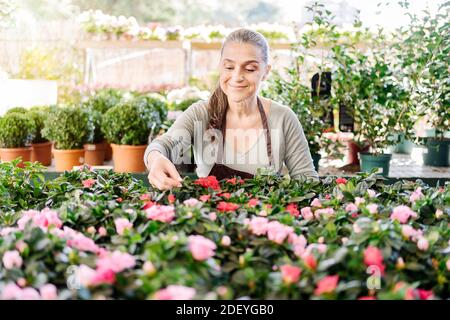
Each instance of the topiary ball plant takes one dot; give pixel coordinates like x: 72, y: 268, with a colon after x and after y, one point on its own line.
x: 38, y: 115
x: 68, y: 126
x: 126, y: 125
x: 16, y: 130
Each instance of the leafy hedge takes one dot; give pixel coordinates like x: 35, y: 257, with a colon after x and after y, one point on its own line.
x: 109, y: 236
x: 16, y: 130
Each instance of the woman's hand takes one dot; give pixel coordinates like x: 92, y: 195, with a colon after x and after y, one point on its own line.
x: 162, y: 173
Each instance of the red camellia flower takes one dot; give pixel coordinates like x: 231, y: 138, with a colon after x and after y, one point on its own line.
x: 341, y: 180
x: 367, y: 298
x: 227, y: 206
x: 424, y: 294
x: 292, y: 209
x: 290, y: 274
x: 326, y: 285
x: 253, y: 202
x: 208, y: 182
x: 148, y: 205
x: 171, y: 198
x: 226, y: 195
x: 119, y: 200
x: 235, y: 181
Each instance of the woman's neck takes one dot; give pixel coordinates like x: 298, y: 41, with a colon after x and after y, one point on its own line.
x: 244, y: 108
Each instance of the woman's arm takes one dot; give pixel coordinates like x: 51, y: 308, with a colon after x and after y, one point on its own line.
x: 177, y: 140
x: 297, y: 156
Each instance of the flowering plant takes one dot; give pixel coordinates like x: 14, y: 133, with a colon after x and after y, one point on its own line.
x: 108, y: 236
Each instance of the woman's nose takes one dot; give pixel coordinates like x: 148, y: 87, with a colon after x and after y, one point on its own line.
x: 238, y: 75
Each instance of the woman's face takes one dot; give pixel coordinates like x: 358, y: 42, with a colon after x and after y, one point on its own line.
x: 242, y: 69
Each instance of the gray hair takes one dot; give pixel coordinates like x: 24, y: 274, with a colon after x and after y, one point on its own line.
x: 249, y: 36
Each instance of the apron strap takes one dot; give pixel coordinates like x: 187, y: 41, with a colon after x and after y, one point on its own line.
x: 266, y: 132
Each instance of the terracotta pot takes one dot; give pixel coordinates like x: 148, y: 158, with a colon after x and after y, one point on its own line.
x: 9, y: 154
x: 108, y: 151
x: 94, y: 154
x: 352, y: 153
x: 67, y: 159
x: 128, y: 158
x: 42, y: 152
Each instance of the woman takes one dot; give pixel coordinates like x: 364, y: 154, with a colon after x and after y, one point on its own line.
x: 236, y: 131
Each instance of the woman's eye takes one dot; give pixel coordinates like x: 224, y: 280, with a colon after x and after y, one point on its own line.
x: 229, y: 68
x: 250, y: 70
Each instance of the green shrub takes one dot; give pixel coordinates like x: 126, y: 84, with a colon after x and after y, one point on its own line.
x: 68, y: 126
x: 38, y: 118
x: 16, y: 130
x: 17, y: 110
x: 183, y: 105
x: 125, y: 124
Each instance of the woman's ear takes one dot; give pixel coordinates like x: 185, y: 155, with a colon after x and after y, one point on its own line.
x: 267, y: 72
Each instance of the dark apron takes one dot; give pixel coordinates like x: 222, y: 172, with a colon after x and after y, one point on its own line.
x: 221, y: 171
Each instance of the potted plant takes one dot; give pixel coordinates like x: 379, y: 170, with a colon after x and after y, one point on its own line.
x: 425, y: 67
x: 16, y: 134
x: 69, y: 127
x: 381, y: 106
x: 101, y: 101
x: 41, y: 147
x: 128, y: 127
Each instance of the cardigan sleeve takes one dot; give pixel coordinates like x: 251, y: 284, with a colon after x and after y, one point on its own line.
x: 297, y: 157
x: 175, y: 143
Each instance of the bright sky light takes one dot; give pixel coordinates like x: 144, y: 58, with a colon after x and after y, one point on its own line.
x: 390, y: 16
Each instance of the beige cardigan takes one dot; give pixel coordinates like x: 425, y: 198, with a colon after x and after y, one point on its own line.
x: 289, y: 146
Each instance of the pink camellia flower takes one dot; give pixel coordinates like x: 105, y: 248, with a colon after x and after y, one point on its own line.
x: 367, y: 298
x: 22, y: 282
x: 307, y: 214
x: 410, y: 232
x: 174, y: 292
x: 416, y: 195
x: 326, y: 285
x: 116, y: 261
x: 278, y: 232
x: 298, y: 243
x: 258, y: 226
x: 371, y: 193
x: 12, y: 259
x: 11, y: 292
x: 226, y: 241
x: 79, y: 241
x: 212, y: 216
x: 402, y: 214
x: 290, y: 274
x: 424, y: 294
x: 102, y: 231
x: 91, y: 230
x: 292, y: 209
x: 21, y: 246
x: 88, y: 183
x: 201, y: 248
x: 192, y: 202
x: 205, y: 197
x: 145, y: 197
x: 161, y: 213
x: 422, y: 244
x: 447, y: 264
x: 5, y: 231
x: 122, y: 224
x: 325, y: 212
x: 374, y: 257
x: 227, y: 206
x: 351, y: 207
x: 316, y: 203
x: 44, y: 219
x: 48, y: 292
x: 309, y: 261
x: 103, y: 276
x: 372, y: 207
x: 29, y: 294
x: 359, y: 200
x: 356, y: 228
